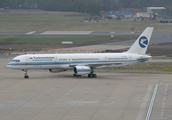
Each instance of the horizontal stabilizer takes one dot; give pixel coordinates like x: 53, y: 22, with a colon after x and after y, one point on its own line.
x: 144, y: 57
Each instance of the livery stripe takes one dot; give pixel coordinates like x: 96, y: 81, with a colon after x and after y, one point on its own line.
x: 70, y: 62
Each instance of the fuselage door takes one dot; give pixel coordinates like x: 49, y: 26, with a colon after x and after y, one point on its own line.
x: 55, y: 60
x: 130, y: 58
x: 26, y: 60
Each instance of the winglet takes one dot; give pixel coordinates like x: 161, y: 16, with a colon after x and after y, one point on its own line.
x: 141, y: 44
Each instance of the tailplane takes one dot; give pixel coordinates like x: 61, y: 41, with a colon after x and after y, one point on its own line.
x: 141, y: 44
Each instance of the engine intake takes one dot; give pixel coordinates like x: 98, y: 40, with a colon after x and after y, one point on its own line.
x: 81, y: 70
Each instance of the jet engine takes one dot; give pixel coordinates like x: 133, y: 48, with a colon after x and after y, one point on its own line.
x: 81, y: 70
x: 56, y: 70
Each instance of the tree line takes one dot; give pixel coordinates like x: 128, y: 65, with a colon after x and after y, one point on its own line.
x: 84, y: 6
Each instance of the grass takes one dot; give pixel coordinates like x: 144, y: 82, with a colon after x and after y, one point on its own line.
x: 54, y: 39
x: 30, y: 20
x: 144, y: 68
x: 162, y: 57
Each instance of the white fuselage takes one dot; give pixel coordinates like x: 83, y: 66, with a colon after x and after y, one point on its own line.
x: 66, y: 61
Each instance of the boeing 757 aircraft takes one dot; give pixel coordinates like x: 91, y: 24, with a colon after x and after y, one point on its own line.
x: 85, y: 63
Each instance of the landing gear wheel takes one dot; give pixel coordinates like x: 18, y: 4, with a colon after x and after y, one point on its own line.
x: 89, y: 75
x: 92, y: 75
x: 26, y: 76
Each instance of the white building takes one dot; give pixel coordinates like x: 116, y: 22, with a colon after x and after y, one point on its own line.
x: 159, y: 10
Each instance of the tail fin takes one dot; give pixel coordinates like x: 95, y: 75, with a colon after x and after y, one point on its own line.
x: 141, y: 44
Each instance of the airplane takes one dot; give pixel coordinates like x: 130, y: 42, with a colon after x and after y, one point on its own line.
x: 85, y: 63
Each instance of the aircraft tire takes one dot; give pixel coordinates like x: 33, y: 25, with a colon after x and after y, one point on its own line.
x: 26, y: 76
x: 94, y: 75
x: 89, y: 75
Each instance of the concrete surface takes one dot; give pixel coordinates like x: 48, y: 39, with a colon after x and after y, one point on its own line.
x: 66, y: 32
x: 110, y: 96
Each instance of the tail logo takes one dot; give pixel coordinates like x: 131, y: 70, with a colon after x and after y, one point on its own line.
x: 143, y: 42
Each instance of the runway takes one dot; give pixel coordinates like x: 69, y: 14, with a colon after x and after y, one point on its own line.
x: 66, y: 33
x: 119, y: 96
x: 157, y: 37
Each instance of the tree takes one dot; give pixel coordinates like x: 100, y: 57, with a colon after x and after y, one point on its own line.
x: 135, y: 5
x: 84, y: 6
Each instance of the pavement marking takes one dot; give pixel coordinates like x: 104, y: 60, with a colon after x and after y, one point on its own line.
x: 164, y: 101
x: 112, y: 32
x: 152, y: 102
x: 30, y: 32
x: 144, y: 103
x: 67, y: 33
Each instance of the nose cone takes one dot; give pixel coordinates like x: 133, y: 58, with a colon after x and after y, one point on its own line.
x: 12, y: 65
x: 9, y: 65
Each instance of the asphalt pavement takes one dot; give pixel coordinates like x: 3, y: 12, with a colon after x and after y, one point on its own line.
x: 157, y: 37
x: 60, y: 96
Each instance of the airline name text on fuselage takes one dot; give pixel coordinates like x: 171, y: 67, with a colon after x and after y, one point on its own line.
x: 43, y: 57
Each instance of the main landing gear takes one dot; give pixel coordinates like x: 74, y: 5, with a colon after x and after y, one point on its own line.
x: 25, y: 74
x: 92, y: 75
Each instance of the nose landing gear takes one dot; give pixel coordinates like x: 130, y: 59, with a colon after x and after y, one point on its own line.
x: 25, y: 74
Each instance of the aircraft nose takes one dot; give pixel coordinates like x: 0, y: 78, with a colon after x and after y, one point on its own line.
x: 9, y: 65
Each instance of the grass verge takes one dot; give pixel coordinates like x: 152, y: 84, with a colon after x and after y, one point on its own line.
x: 159, y: 67
x: 55, y: 39
x: 30, y: 20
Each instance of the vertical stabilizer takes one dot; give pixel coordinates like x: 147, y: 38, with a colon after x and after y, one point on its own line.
x: 141, y: 44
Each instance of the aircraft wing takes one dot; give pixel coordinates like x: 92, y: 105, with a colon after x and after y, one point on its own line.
x: 95, y: 64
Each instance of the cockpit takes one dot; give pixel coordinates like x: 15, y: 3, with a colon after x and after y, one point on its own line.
x: 15, y: 60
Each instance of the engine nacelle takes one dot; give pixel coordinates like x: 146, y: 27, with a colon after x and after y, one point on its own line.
x: 55, y: 70
x: 81, y: 70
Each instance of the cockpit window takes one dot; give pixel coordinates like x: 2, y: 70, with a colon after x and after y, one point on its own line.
x: 15, y: 60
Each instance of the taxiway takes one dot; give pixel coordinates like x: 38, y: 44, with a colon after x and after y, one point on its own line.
x: 119, y: 96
